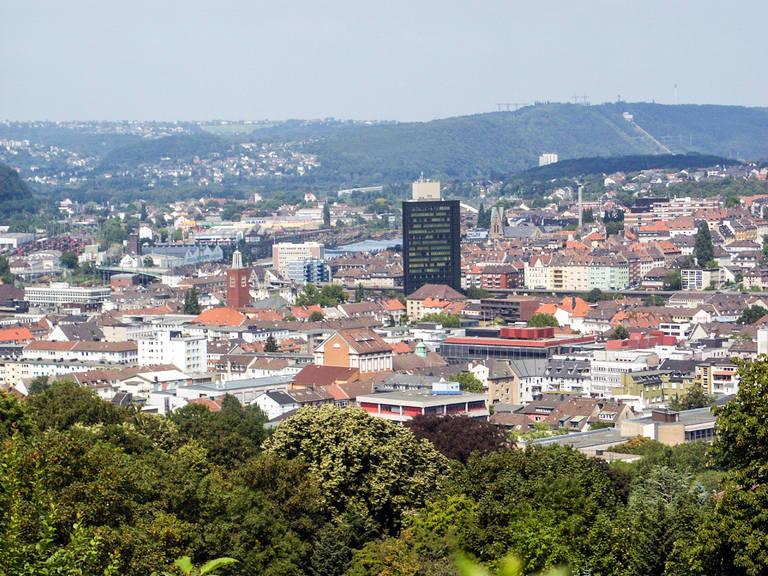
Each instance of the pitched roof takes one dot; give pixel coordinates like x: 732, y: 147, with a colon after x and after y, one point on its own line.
x: 441, y: 291
x: 364, y: 341
x: 18, y: 335
x: 393, y: 305
x: 220, y: 317
x: 314, y: 375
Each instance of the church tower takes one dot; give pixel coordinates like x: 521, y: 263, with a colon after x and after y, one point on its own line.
x: 238, y: 287
x: 496, y: 231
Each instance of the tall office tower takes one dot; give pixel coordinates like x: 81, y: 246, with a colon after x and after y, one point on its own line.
x: 238, y: 287
x: 431, y: 242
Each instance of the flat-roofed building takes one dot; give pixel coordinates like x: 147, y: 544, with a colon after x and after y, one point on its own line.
x: 402, y: 405
x: 510, y: 343
x: 62, y: 294
x: 283, y: 253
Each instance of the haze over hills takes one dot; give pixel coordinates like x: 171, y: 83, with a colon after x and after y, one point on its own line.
x: 331, y: 153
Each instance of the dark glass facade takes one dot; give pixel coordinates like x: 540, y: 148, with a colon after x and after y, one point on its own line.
x: 431, y: 244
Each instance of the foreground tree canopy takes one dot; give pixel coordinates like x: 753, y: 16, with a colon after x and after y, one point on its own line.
x: 89, y: 488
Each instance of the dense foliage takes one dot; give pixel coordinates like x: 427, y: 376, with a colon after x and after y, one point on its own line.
x: 588, y: 139
x: 542, y: 320
x: 87, y: 487
x: 458, y: 437
x: 15, y: 195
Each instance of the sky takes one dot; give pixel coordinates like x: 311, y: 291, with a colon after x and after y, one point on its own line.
x: 386, y: 60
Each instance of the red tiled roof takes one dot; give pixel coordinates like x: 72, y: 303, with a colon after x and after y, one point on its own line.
x: 401, y: 348
x: 17, y: 335
x: 220, y: 317
x: 393, y: 305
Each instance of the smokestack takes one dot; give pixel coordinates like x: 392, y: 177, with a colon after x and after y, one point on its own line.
x: 581, y: 211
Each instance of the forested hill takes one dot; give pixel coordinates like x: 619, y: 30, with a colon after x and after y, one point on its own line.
x: 11, y: 186
x: 79, y: 159
x: 507, y: 142
x: 15, y: 195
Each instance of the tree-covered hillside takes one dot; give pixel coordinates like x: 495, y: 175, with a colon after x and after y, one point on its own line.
x: 187, y: 157
x: 15, y: 195
x: 507, y: 142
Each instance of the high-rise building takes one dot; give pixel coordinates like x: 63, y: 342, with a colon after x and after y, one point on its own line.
x: 283, y: 253
x: 238, y: 286
x: 311, y: 270
x: 431, y: 242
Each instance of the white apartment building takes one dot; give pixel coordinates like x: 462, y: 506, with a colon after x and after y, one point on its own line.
x: 547, y: 158
x: 187, y: 353
x: 61, y: 293
x: 283, y: 253
x: 607, y: 366
x: 697, y: 280
x: 80, y: 351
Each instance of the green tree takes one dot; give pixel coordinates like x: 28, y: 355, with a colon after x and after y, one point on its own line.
x: 594, y: 295
x: 587, y: 217
x: 332, y: 295
x: 271, y: 344
x: 69, y: 260
x: 65, y: 404
x: 703, y: 248
x: 619, y: 333
x: 359, y: 293
x: 741, y: 444
x: 673, y: 280
x: 148, y: 262
x: 732, y: 537
x: 446, y: 320
x: 316, y: 316
x: 39, y: 384
x: 468, y: 382
x: 654, y: 300
x: 483, y: 217
x: 231, y: 212
x: 5, y: 271
x: 732, y: 201
x: 542, y: 320
x: 751, y: 314
x: 185, y: 565
x: 368, y: 467
x: 326, y: 214
x: 694, y: 397
x: 475, y: 293
x: 613, y: 228
x: 308, y: 296
x: 191, y: 302
x: 13, y: 416
x: 229, y: 436
x: 765, y: 247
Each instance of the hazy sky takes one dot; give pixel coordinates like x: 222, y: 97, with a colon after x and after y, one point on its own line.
x: 389, y: 59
